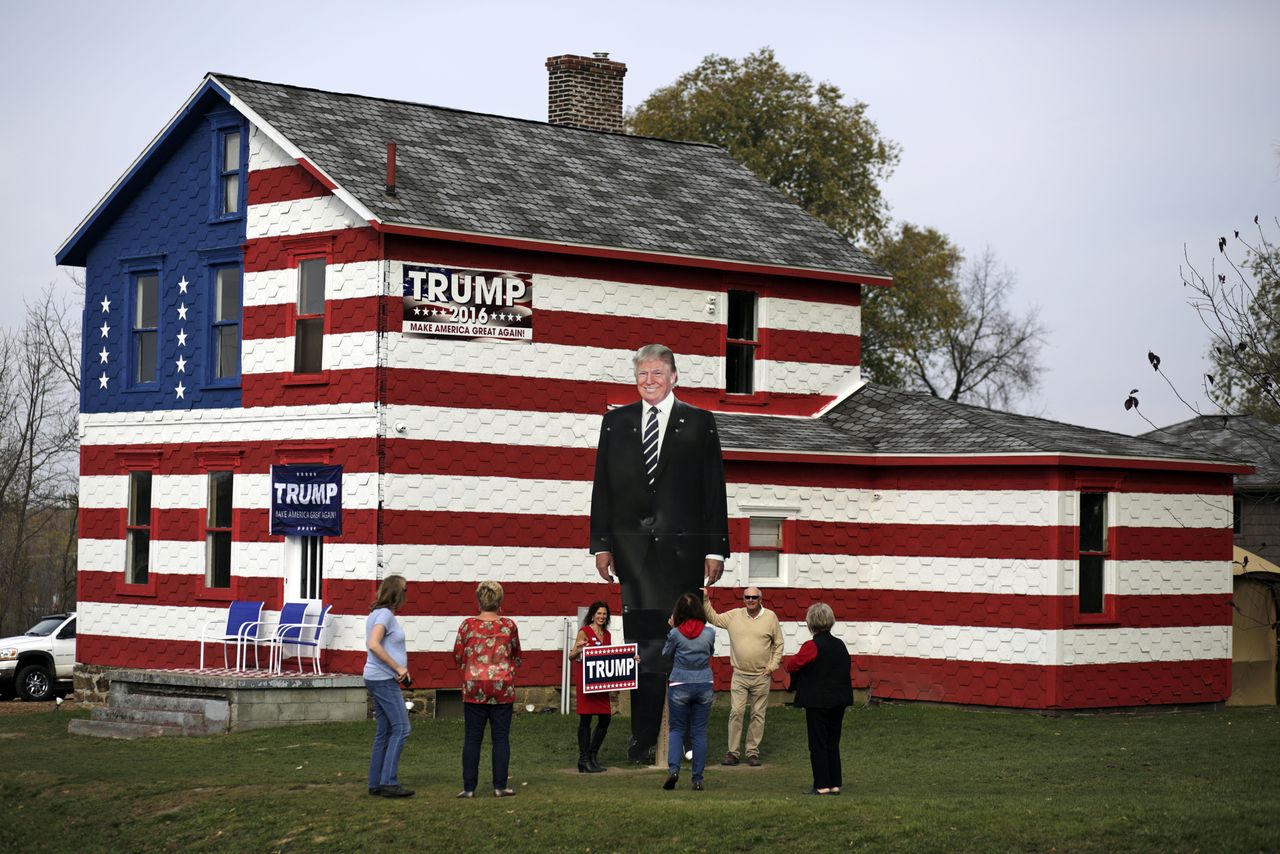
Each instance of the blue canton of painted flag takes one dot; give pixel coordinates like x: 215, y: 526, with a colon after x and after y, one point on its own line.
x: 154, y: 347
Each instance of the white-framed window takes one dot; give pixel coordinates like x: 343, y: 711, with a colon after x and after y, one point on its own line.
x: 764, y: 548
x: 304, y: 567
x: 769, y: 530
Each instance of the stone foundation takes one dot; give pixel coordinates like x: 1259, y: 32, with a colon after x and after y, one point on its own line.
x: 166, y: 702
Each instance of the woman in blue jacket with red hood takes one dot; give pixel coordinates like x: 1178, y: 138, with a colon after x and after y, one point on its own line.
x: 689, y: 689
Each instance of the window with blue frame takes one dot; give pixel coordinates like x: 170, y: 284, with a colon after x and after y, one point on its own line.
x: 227, y: 283
x: 230, y: 169
x: 146, y: 323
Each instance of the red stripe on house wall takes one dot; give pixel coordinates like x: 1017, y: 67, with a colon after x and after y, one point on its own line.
x: 1005, y: 541
x: 562, y: 599
x: 347, y: 246
x: 1033, y: 686
x: 326, y: 389
x: 478, y: 459
x: 283, y: 184
x: 175, y: 589
x: 825, y: 348
x: 410, y: 387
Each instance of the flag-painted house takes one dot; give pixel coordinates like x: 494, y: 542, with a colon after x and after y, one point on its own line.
x: 442, y: 304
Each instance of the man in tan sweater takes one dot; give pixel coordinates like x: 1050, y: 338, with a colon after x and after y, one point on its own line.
x: 755, y: 651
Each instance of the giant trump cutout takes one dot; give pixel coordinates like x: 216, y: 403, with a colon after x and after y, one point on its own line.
x: 659, y: 520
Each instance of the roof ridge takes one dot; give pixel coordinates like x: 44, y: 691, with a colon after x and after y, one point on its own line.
x: 406, y: 102
x: 988, y: 419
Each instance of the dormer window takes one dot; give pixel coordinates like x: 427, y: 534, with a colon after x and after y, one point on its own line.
x: 743, y: 340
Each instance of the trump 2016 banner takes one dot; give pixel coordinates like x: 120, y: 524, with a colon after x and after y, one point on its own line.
x: 609, y: 668
x: 306, y: 501
x: 444, y: 302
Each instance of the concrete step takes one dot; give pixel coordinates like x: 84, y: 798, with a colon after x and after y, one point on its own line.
x: 120, y: 729
x: 169, y: 702
x: 187, y: 722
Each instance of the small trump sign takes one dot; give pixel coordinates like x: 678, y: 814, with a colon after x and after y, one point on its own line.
x: 609, y: 668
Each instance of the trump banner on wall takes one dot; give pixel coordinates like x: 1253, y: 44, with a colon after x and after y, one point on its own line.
x: 306, y: 500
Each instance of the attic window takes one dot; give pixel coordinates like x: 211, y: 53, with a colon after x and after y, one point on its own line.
x: 230, y: 166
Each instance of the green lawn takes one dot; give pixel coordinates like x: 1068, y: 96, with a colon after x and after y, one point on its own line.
x: 917, y: 778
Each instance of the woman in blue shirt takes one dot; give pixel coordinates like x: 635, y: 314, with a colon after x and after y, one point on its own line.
x: 385, y: 669
x: 690, y: 690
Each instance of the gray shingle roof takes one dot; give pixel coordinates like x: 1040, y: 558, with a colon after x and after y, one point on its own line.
x: 476, y: 173
x: 881, y: 420
x: 1242, y: 437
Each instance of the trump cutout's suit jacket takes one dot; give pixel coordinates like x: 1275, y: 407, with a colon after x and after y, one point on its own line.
x: 674, y: 524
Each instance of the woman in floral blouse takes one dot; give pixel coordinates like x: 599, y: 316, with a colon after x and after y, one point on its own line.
x: 488, y: 651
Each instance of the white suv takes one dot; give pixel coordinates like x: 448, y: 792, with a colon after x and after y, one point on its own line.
x: 38, y: 664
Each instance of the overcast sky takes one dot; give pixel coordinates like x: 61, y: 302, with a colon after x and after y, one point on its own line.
x: 1085, y: 143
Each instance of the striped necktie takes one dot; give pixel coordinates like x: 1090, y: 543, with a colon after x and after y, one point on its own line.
x: 651, y: 443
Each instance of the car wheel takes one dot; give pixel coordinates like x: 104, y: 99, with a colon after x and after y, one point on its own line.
x: 35, y: 683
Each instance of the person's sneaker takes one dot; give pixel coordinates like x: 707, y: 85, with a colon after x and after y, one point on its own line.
x: 465, y: 793
x: 697, y: 786
x: 504, y: 793
x: 670, y: 782
x: 375, y: 790
x: 395, y: 792
x: 753, y: 761
x: 730, y: 759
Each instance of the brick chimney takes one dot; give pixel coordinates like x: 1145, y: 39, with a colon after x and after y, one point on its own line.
x: 585, y: 92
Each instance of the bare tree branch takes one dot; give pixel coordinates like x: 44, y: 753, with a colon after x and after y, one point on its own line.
x: 38, y: 443
x: 990, y: 355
